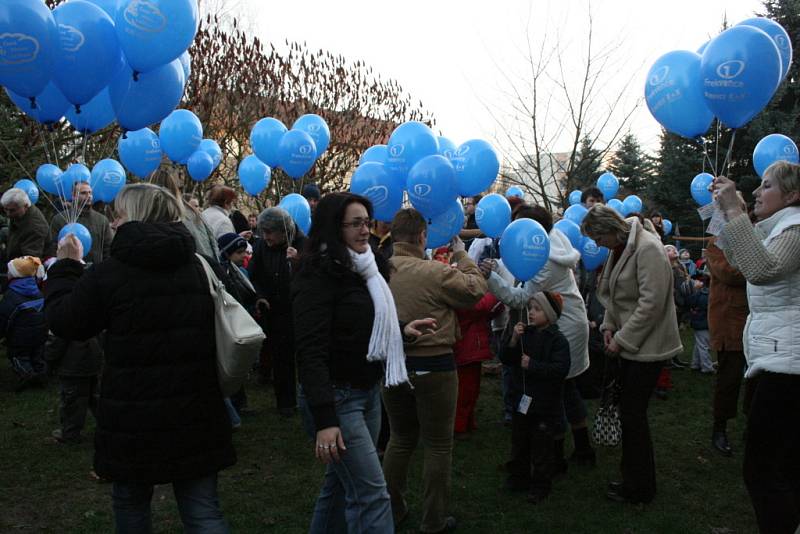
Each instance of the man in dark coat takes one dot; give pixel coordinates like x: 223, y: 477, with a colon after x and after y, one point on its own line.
x: 97, y: 224
x: 28, y: 230
x: 274, y: 261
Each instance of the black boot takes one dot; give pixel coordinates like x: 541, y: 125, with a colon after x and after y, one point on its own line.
x: 583, y: 453
x: 719, y: 439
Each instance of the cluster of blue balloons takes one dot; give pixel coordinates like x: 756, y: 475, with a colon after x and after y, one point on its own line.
x: 592, y: 255
x: 295, y: 151
x: 107, y: 178
x: 732, y: 77
x: 97, y: 60
x: 432, y: 169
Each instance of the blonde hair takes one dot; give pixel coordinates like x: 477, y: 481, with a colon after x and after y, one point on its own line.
x: 786, y: 175
x: 602, y: 220
x: 148, y: 203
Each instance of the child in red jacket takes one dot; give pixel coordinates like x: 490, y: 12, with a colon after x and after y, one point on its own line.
x: 470, y: 351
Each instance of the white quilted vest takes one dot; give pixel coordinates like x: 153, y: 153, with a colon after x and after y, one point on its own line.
x: 772, y: 333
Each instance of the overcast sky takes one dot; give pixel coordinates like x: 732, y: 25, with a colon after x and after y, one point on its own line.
x: 454, y: 54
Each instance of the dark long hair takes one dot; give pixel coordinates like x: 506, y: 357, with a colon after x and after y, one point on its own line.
x: 325, y: 249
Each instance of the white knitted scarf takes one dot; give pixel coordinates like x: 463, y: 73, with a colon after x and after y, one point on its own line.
x: 386, y: 342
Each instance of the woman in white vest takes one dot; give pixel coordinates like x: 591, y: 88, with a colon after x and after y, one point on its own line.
x: 768, y: 255
x: 557, y: 275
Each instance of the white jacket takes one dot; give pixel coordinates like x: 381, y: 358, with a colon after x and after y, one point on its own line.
x: 218, y: 220
x: 772, y: 332
x: 556, y: 275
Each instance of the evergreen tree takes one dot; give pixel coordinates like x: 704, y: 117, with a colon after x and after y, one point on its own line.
x: 631, y: 165
x: 587, y: 166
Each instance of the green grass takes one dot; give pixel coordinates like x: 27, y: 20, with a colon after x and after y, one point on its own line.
x: 46, y: 487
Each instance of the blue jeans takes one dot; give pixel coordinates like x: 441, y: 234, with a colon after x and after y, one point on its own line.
x: 353, y: 498
x: 197, y: 500
x: 233, y: 415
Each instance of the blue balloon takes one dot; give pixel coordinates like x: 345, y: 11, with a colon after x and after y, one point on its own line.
x: 445, y: 226
x: 778, y: 35
x: 674, y: 94
x: 109, y: 6
x: 297, y: 153
x: 29, y: 37
x: 148, y: 99
x: 79, y: 231
x: 699, y: 189
x: 514, y: 191
x: 254, y: 175
x: 77, y: 172
x: 493, y: 215
x: 575, y: 213
x: 211, y: 147
x: 772, y: 148
x: 608, y: 184
x: 200, y: 165
x: 180, y: 134
x: 616, y: 205
x: 667, y: 226
x: 373, y: 182
x: 409, y: 143
x: 375, y: 154
x: 476, y: 164
x: 50, y: 105
x: 592, y: 255
x: 317, y: 128
x: 94, y: 116
x: 575, y: 197
x: 140, y: 152
x: 297, y: 206
x: 631, y: 204
x: 30, y: 189
x: 48, y: 177
x: 265, y: 138
x: 431, y: 185
x: 153, y: 33
x: 186, y: 63
x: 571, y: 230
x: 88, y: 52
x: 524, y: 248
x: 741, y: 69
x: 108, y: 178
x: 446, y: 147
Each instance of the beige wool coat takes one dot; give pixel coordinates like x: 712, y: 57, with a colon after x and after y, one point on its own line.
x: 637, y: 294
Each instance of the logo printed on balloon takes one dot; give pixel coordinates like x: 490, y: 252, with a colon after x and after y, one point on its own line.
x: 781, y: 41
x: 538, y: 240
x: 591, y: 247
x: 731, y: 69
x: 660, y: 75
x: 71, y: 38
x: 113, y: 178
x: 314, y: 128
x: 462, y: 150
x: 17, y: 48
x: 145, y: 16
x: 377, y: 194
x: 422, y: 190
x: 397, y: 150
x: 306, y: 150
x: 479, y: 214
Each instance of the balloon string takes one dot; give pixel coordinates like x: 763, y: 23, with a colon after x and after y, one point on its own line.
x: 55, y: 152
x: 21, y: 166
x: 83, y: 150
x: 716, y: 150
x: 44, y: 142
x: 726, y: 164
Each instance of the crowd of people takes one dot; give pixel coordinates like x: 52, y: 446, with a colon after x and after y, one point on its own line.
x: 381, y: 344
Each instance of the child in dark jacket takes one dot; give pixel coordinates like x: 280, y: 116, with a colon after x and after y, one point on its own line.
x: 78, y: 365
x: 698, y: 319
x: 22, y: 321
x: 539, y: 357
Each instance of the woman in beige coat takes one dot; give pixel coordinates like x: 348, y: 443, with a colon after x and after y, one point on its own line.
x: 640, y: 327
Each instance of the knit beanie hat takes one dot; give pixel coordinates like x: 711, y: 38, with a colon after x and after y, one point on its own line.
x: 276, y: 220
x: 311, y: 192
x: 551, y: 304
x: 25, y: 266
x: 230, y: 243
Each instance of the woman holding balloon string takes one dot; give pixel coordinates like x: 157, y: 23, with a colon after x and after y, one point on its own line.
x: 768, y: 255
x: 557, y: 275
x: 640, y: 327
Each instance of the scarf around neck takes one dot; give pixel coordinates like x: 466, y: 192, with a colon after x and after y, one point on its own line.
x: 385, y: 342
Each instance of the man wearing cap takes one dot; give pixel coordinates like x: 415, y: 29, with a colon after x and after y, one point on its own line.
x: 312, y: 194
